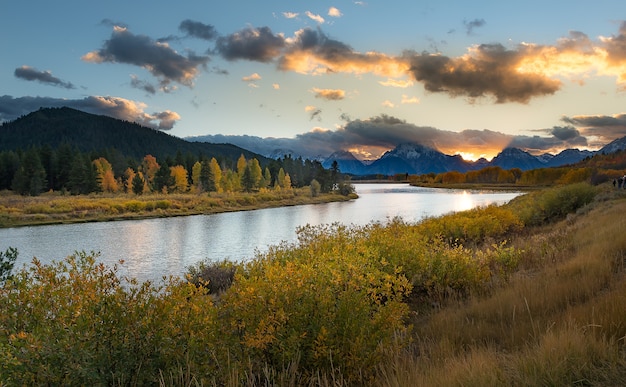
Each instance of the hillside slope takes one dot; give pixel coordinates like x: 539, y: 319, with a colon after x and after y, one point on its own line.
x: 89, y: 132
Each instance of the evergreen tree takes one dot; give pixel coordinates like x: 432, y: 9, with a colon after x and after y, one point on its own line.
x: 247, y: 179
x: 30, y: 177
x: 267, y: 178
x: 163, y: 179
x: 63, y: 161
x: 205, y: 177
x: 83, y: 177
x: 9, y: 164
x: 138, y: 184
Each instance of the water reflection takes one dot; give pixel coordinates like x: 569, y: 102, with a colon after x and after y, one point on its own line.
x: 152, y: 248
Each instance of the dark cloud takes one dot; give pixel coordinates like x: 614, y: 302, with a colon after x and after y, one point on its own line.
x: 198, y: 29
x: 372, y: 137
x: 565, y: 132
x: 11, y: 108
x: 315, y: 113
x: 604, y: 128
x: 142, y: 85
x: 31, y: 74
x: 491, y: 70
x: 254, y: 44
x: 473, y: 24
x: 158, y: 58
x: 110, y: 23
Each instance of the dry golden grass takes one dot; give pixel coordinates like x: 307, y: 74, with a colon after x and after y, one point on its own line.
x: 53, y: 208
x: 561, y: 321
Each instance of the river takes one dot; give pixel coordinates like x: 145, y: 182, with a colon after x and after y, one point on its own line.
x: 153, y: 248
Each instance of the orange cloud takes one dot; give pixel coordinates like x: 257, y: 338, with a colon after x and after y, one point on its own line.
x: 329, y: 94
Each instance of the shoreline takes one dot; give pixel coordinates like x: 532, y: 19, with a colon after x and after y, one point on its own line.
x: 54, y: 208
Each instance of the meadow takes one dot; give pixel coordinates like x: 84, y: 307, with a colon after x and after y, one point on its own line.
x: 529, y: 293
x: 55, y: 208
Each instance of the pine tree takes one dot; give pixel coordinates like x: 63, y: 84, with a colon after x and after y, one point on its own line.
x: 138, y: 184
x: 163, y: 178
x: 205, y: 177
x: 30, y: 177
x: 247, y: 179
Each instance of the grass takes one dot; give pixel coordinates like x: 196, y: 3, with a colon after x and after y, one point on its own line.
x: 53, y: 208
x: 558, y: 318
x: 561, y: 320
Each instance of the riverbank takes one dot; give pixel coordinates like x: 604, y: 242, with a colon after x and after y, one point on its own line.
x: 536, y: 298
x: 54, y: 208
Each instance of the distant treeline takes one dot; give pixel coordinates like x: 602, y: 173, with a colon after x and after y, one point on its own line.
x: 595, y: 170
x: 67, y: 169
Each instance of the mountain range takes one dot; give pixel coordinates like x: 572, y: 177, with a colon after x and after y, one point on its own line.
x: 89, y: 132
x: 421, y: 159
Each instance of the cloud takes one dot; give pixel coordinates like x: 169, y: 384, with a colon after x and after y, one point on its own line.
x: 370, y: 138
x: 329, y: 94
x: 275, y: 86
x: 314, y: 17
x: 314, y: 112
x: 603, y: 128
x: 11, y: 108
x: 312, y: 52
x: 397, y: 83
x: 251, y: 78
x: 158, y: 58
x: 254, y: 44
x: 565, y: 132
x: 290, y: 15
x: 472, y: 24
x: 409, y: 100
x: 142, y: 85
x: 487, y: 70
x: 32, y: 74
x: 388, y: 104
x: 198, y: 29
x: 334, y: 12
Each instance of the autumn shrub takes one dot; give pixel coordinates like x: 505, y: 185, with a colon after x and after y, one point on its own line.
x: 215, y: 276
x: 551, y: 204
x: 322, y: 308
x: 163, y: 204
x: 77, y: 322
x: 7, y: 261
x: 134, y: 206
x: 473, y: 226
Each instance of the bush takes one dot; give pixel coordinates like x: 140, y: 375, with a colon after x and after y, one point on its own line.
x: 134, y: 206
x: 214, y: 276
x: 318, y: 304
x: 7, y: 261
x: 76, y: 322
x: 552, y: 204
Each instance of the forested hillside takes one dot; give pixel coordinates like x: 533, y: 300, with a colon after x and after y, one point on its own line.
x: 88, y: 132
x: 71, y: 151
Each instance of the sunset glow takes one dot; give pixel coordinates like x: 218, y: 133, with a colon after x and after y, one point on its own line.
x: 466, y: 79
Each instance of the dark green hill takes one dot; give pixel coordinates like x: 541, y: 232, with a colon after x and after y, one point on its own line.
x: 90, y: 132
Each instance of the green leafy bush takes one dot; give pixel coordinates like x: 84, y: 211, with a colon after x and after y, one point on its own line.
x: 541, y: 207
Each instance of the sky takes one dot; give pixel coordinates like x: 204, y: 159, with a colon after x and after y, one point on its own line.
x: 314, y: 77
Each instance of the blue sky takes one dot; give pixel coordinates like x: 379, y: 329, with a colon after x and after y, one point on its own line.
x: 319, y: 76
